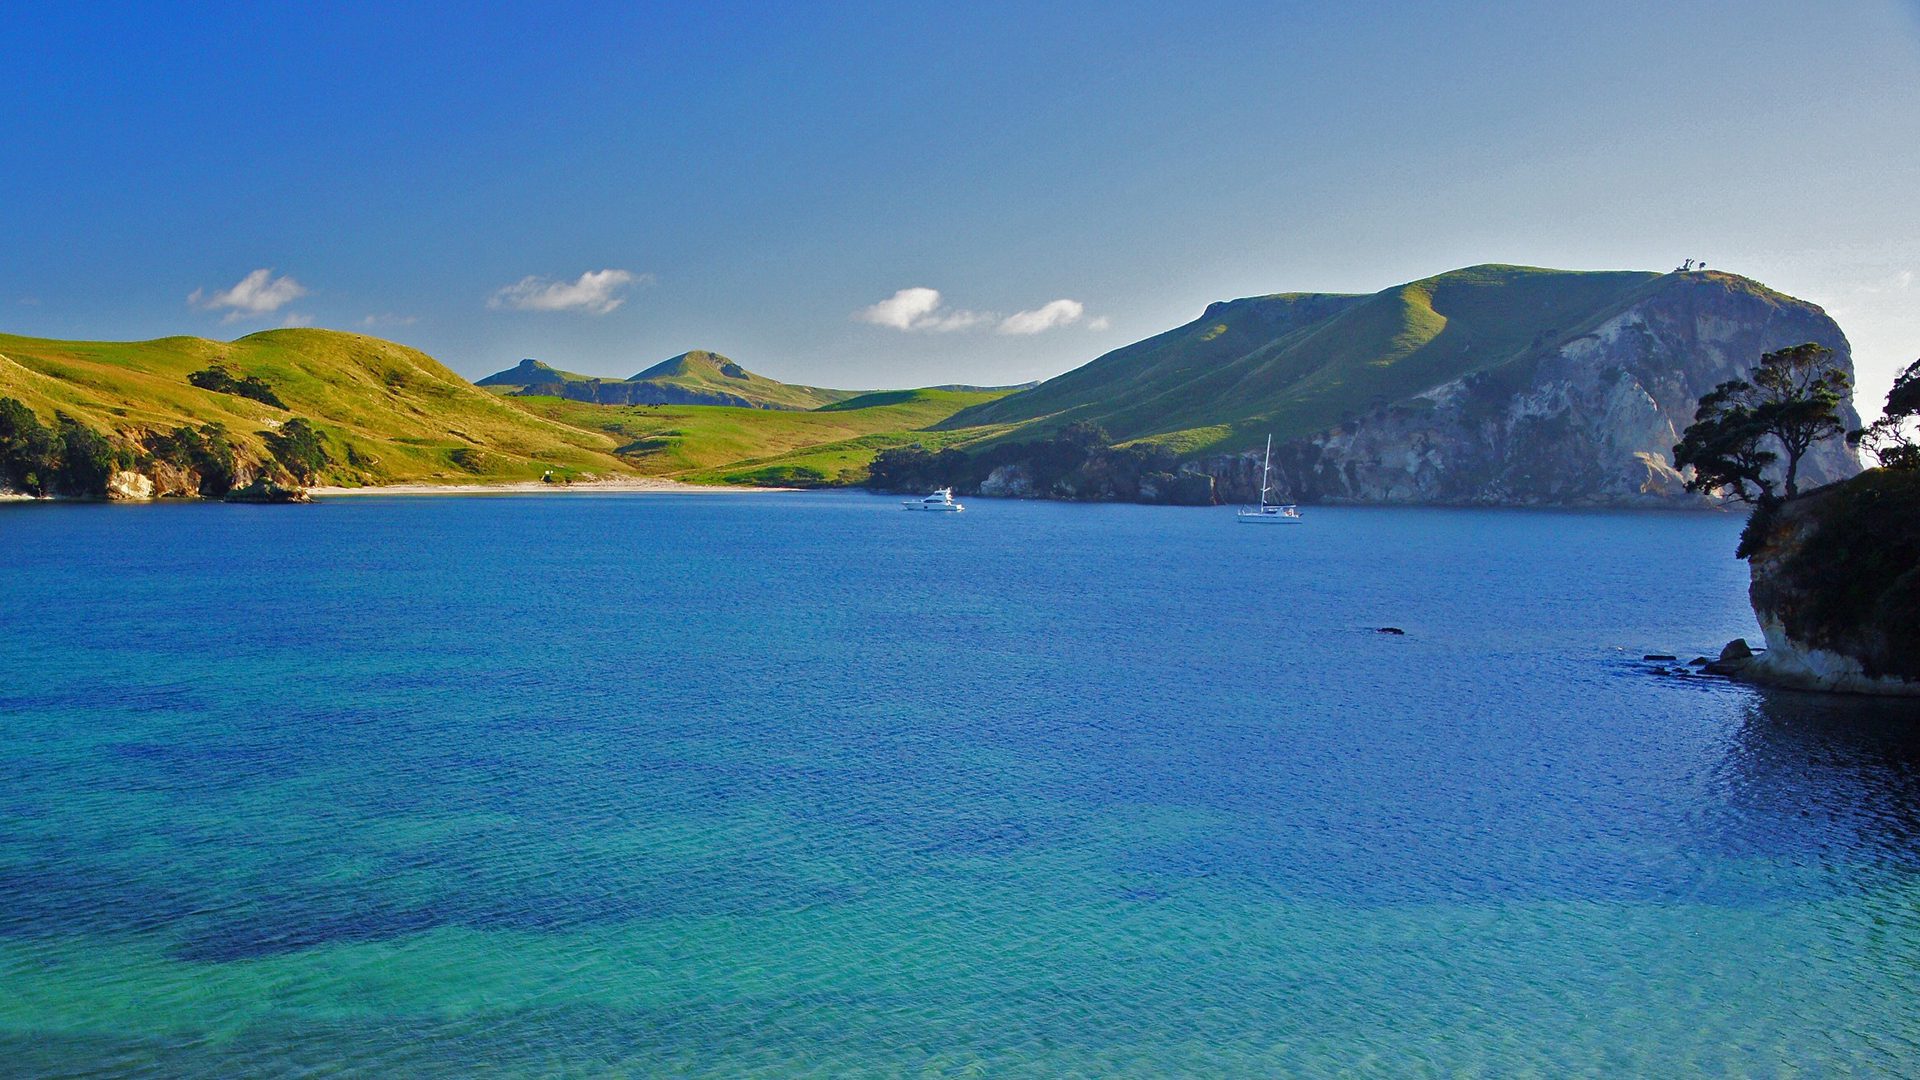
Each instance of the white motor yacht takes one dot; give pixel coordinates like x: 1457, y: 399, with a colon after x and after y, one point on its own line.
x: 940, y: 501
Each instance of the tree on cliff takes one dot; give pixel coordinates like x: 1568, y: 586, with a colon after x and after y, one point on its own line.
x: 1793, y: 401
x: 1894, y: 439
x: 28, y: 457
x: 298, y: 449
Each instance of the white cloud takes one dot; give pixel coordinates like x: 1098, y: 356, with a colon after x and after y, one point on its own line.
x: 295, y: 318
x: 919, y: 308
x: 30, y: 301
x: 259, y: 293
x: 1046, y: 317
x: 594, y: 292
x: 1099, y: 323
x: 902, y: 309
x: 922, y: 309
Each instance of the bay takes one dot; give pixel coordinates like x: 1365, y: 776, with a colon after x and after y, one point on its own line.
x: 799, y: 784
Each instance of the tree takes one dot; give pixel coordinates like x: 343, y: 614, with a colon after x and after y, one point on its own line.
x: 1894, y: 439
x: 27, y: 457
x: 1793, y: 402
x: 206, y: 451
x: 298, y: 449
x: 87, y: 459
x: 1726, y: 446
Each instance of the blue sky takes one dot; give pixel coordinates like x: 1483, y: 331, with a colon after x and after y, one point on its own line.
x: 602, y: 186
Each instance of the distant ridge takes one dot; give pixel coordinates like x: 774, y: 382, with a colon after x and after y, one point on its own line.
x: 527, y: 373
x: 696, y: 377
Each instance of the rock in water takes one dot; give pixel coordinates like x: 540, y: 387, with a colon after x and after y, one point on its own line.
x: 1734, y: 656
x: 263, y: 490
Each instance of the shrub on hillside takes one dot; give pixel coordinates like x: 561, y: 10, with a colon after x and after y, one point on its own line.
x: 28, y: 459
x: 205, y: 451
x: 87, y: 459
x: 221, y: 381
x: 298, y: 448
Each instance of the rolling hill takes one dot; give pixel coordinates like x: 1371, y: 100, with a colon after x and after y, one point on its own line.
x: 527, y: 373
x: 391, y: 413
x: 386, y: 413
x: 732, y: 444
x: 1298, y: 363
x: 692, y: 378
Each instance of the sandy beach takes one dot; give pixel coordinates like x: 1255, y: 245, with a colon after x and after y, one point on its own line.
x: 624, y: 484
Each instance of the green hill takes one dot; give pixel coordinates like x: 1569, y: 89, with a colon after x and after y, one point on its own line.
x: 734, y: 444
x: 692, y: 378
x: 388, y: 412
x: 1298, y: 363
x: 527, y: 373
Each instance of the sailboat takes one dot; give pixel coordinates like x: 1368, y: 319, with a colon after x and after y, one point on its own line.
x: 1269, y: 513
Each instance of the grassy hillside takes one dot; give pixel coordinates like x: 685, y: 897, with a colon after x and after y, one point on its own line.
x: 1297, y: 363
x: 700, y: 371
x: 390, y: 413
x: 692, y: 378
x: 527, y: 373
x: 713, y: 443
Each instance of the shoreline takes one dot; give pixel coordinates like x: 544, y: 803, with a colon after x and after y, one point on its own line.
x: 634, y: 484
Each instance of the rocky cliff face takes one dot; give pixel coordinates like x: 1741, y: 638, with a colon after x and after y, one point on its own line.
x: 1589, y: 419
x: 1836, y: 587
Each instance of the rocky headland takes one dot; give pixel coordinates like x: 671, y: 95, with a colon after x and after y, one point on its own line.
x: 1488, y: 386
x: 1836, y: 589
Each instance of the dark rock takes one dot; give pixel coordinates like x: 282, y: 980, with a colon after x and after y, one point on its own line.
x: 263, y: 490
x: 1733, y: 658
x: 1390, y: 630
x: 1659, y: 656
x: 1699, y: 661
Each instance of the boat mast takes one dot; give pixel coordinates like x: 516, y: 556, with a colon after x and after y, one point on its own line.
x: 1266, y: 464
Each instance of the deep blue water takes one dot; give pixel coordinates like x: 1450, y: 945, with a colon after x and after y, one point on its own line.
x: 754, y: 784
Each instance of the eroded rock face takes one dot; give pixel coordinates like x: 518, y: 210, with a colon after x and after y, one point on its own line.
x: 1008, y: 481
x: 1589, y: 421
x: 1836, y: 588
x: 129, y: 486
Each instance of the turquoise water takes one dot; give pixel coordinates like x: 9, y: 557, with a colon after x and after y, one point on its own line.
x: 741, y: 785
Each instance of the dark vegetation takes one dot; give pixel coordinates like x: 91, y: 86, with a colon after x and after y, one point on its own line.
x: 204, y: 451
x: 298, y: 448
x: 1079, y: 462
x: 68, y: 458
x: 1894, y: 439
x: 1860, y: 573
x: 221, y: 381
